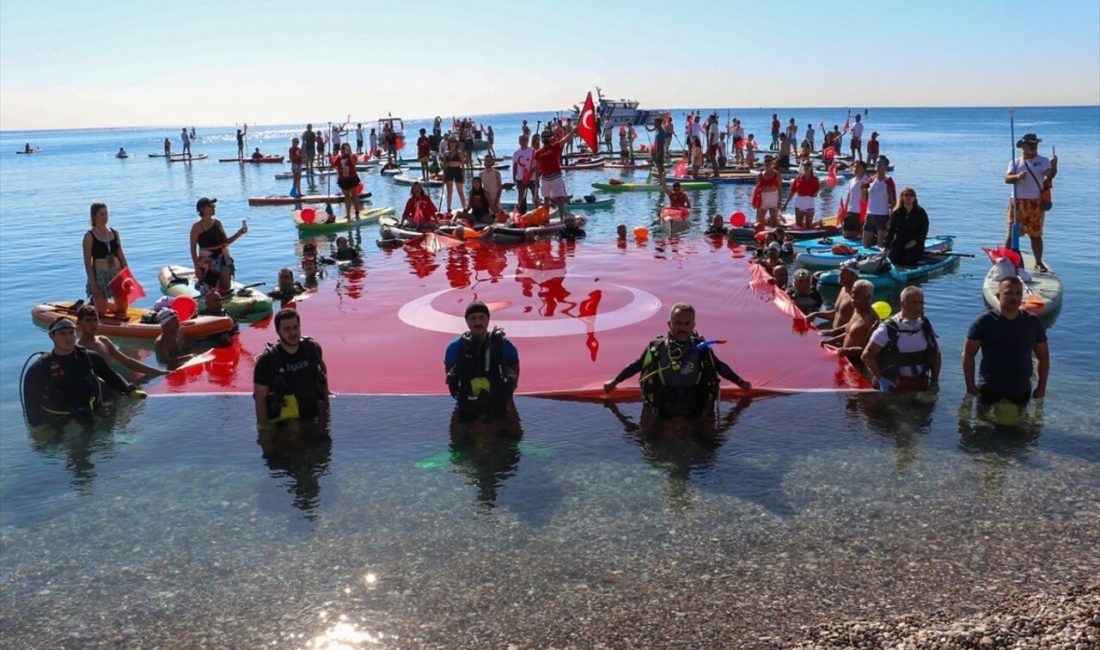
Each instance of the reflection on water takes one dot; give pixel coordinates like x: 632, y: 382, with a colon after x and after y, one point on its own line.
x: 344, y: 636
x: 298, y: 453
x: 999, y: 437
x: 486, y: 451
x: 683, y: 449
x: 900, y: 417
x: 80, y: 442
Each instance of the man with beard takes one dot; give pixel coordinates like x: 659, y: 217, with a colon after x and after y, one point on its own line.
x: 290, y: 379
x: 482, y: 369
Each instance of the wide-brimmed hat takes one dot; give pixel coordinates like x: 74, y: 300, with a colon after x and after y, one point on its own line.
x: 1029, y: 138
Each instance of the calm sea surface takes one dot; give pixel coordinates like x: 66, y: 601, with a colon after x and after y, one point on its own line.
x: 170, y: 526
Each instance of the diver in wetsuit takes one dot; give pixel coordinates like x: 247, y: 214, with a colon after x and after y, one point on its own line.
x: 68, y: 380
x: 482, y: 368
x: 680, y: 372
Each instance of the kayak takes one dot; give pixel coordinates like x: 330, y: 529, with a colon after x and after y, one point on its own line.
x: 821, y: 255
x: 675, y: 214
x: 595, y: 163
x: 748, y: 233
x: 370, y: 215
x: 406, y: 179
x: 895, y: 276
x: 133, y: 325
x: 572, y: 205
x: 1042, y: 293
x: 649, y: 187
x: 176, y: 157
x: 284, y: 199
x: 244, y: 301
x: 263, y: 159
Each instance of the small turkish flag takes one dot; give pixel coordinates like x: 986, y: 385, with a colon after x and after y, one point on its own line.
x: 586, y: 129
x: 124, y: 284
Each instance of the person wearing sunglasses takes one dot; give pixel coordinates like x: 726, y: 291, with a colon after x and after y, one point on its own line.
x: 908, y: 230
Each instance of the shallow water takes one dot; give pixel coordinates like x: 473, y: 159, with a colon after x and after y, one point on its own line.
x: 169, y: 526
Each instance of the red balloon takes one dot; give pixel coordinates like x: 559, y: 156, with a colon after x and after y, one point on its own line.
x: 308, y: 215
x: 359, y: 189
x: 830, y: 180
x: 737, y: 219
x: 185, y: 307
x: 830, y: 153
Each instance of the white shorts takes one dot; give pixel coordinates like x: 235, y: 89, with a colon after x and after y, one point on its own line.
x: 553, y: 187
x: 805, y: 203
x: 769, y: 200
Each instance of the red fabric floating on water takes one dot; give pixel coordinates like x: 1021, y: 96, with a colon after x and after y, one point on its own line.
x: 577, y: 313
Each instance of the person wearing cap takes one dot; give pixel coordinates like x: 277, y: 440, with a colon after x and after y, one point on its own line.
x: 481, y: 369
x: 87, y: 326
x: 843, y: 307
x: 679, y: 375
x: 873, y: 148
x: 68, y: 380
x: 290, y: 380
x: 210, y: 247
x: 880, y: 195
x: 173, y: 346
x: 548, y: 161
x: 1029, y: 174
x: 804, y: 294
x: 903, y: 355
x: 804, y: 192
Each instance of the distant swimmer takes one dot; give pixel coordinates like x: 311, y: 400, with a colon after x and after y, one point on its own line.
x: 679, y: 373
x: 122, y: 153
x: 69, y: 381
x: 290, y: 381
x: 482, y: 370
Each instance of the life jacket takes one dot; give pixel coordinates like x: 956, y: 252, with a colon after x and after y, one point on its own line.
x: 891, y: 360
x: 479, y: 381
x: 681, y: 387
x: 282, y: 402
x: 58, y: 399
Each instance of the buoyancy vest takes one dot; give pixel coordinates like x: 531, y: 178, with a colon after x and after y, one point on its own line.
x: 891, y: 360
x: 480, y: 382
x: 64, y: 397
x: 289, y: 402
x: 679, y: 380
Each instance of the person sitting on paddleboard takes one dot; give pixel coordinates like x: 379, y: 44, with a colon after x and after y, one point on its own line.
x: 68, y: 380
x: 290, y: 380
x: 479, y: 214
x: 679, y: 371
x: 419, y: 210
x: 482, y: 369
x: 210, y: 247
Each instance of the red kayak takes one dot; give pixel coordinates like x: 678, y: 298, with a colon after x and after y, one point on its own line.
x: 285, y: 199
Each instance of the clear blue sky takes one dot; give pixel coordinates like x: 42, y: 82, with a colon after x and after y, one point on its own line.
x: 155, y: 62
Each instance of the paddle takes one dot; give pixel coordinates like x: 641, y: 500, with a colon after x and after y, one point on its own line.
x: 1014, y: 238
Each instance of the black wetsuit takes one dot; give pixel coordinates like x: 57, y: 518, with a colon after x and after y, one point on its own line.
x: 57, y: 386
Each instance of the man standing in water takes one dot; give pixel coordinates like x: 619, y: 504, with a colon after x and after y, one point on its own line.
x: 186, y: 143
x: 309, y: 147
x: 1029, y: 175
x: 290, y: 378
x: 1007, y: 338
x: 482, y: 369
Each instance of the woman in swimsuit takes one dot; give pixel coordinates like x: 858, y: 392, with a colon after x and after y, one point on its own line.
x: 453, y: 162
x: 103, y: 260
x: 210, y: 248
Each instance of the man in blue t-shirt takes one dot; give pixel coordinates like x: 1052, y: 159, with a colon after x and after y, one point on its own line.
x: 1007, y: 338
x: 482, y: 368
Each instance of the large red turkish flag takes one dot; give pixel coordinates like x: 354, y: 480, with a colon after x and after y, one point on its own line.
x: 587, y: 127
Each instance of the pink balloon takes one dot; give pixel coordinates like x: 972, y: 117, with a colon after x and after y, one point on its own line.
x: 185, y: 307
x: 308, y: 215
x: 737, y: 219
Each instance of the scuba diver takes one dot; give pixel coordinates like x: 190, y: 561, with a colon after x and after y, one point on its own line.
x: 290, y: 379
x: 68, y: 380
x: 482, y: 369
x: 680, y: 372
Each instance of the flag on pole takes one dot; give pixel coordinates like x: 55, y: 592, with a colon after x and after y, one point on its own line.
x: 125, y: 284
x: 586, y: 128
x: 847, y: 125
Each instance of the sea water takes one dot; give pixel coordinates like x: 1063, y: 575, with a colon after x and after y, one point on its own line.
x: 168, y: 525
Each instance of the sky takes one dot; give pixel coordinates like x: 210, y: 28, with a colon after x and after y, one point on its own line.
x: 79, y: 64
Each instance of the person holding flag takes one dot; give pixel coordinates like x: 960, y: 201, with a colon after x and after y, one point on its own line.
x: 586, y: 125
x: 548, y: 160
x: 104, y: 261
x: 857, y: 138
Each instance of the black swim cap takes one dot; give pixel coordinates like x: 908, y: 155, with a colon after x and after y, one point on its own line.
x: 477, y: 307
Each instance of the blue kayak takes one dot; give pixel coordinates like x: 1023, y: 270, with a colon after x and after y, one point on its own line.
x: 899, y: 276
x: 820, y: 255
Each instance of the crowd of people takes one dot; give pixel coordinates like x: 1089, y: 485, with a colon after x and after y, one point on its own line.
x: 679, y: 372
